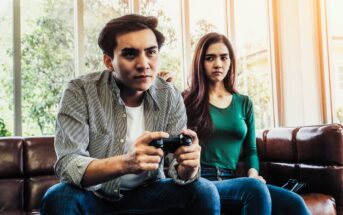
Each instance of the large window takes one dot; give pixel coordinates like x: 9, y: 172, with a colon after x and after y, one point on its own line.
x: 200, y: 24
x: 335, y: 37
x: 168, y: 13
x: 6, y: 69
x: 59, y: 37
x: 253, y: 58
x: 47, y: 61
x: 96, y: 15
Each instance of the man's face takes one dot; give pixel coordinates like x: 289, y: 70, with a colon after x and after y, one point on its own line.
x: 135, y: 59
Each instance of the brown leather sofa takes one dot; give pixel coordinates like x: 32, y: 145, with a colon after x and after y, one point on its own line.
x: 310, y: 154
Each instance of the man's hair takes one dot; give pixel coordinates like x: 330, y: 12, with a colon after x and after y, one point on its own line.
x: 125, y: 24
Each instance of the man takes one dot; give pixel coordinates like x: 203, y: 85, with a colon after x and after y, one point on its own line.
x: 105, y: 124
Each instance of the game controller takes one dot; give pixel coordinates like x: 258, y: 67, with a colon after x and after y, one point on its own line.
x: 169, y: 145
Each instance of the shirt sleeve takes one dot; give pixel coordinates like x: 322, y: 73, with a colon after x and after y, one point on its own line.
x: 72, y: 137
x: 249, y: 144
x: 176, y: 122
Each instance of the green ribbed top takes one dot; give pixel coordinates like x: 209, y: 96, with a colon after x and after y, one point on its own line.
x: 234, y: 129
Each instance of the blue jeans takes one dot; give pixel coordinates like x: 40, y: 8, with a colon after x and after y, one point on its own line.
x: 251, y: 196
x: 160, y: 197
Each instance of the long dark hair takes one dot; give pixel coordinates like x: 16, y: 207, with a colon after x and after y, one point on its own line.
x: 197, y: 96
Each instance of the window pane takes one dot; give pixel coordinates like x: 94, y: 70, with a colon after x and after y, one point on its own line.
x: 47, y: 61
x: 6, y: 69
x: 168, y: 13
x: 253, y: 61
x: 214, y: 21
x: 96, y: 15
x: 335, y: 35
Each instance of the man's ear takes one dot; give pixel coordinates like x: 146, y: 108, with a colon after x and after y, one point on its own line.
x: 108, y: 62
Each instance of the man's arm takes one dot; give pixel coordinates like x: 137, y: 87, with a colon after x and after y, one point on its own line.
x: 141, y: 158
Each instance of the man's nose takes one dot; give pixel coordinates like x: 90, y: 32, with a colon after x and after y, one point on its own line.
x: 142, y: 62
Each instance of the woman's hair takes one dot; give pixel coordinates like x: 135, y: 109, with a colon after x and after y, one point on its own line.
x: 125, y: 24
x: 197, y: 96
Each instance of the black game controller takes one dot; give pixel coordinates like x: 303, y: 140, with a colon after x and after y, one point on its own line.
x: 169, y: 145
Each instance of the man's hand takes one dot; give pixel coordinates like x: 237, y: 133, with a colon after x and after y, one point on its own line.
x: 144, y: 157
x: 166, y: 75
x: 188, y: 157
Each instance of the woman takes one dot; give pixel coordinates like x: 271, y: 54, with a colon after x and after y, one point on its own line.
x: 224, y: 121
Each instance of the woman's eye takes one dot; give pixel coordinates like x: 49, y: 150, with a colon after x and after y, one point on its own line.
x: 225, y: 58
x: 209, y: 58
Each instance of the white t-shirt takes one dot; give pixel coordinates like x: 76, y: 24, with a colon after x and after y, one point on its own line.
x: 135, y: 128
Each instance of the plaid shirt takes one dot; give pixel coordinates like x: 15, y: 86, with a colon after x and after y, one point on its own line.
x: 91, y: 124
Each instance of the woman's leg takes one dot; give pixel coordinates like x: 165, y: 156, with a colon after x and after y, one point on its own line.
x: 248, y: 195
x: 287, y: 202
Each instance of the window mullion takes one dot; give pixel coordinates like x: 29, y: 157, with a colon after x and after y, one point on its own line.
x: 17, y: 68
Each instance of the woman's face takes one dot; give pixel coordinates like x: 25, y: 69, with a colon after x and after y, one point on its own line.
x: 217, y: 62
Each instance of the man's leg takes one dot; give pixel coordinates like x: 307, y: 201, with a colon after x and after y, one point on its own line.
x: 244, y: 196
x: 287, y: 202
x: 66, y: 199
x: 165, y: 197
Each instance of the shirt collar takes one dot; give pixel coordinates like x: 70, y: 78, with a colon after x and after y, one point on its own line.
x: 150, y: 96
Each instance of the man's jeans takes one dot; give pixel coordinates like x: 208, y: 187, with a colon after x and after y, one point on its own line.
x: 251, y: 196
x: 160, y: 197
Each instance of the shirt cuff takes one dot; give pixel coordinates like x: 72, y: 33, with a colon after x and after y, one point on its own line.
x: 173, y: 174
x: 76, y: 170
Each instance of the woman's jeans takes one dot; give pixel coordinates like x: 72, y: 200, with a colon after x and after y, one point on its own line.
x: 251, y: 196
x: 160, y: 197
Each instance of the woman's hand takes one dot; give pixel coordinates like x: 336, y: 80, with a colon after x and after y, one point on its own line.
x: 166, y: 75
x: 252, y: 173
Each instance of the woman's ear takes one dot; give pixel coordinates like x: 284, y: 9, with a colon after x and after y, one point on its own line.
x: 108, y: 62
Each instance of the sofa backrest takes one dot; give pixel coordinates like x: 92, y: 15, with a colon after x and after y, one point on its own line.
x: 26, y: 172
x: 312, y: 154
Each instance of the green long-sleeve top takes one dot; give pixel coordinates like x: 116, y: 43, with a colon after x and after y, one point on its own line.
x: 234, y: 128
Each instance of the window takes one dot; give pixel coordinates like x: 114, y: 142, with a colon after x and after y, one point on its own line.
x: 47, y: 61
x: 200, y: 24
x: 167, y: 13
x: 96, y: 15
x: 51, y: 51
x: 6, y: 70
x: 253, y: 61
x: 335, y: 37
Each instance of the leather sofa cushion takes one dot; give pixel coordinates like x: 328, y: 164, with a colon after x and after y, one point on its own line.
x: 11, y: 158
x: 320, y: 204
x: 39, y: 156
x: 11, y: 194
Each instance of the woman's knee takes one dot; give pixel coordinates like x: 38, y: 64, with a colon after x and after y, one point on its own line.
x: 205, y: 187
x: 257, y: 187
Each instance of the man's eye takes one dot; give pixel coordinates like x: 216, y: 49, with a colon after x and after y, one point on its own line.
x: 151, y: 52
x: 129, y: 54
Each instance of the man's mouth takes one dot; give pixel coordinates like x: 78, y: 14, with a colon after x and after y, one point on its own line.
x: 142, y: 77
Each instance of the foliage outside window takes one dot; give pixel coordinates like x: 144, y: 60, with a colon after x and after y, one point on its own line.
x: 253, y: 62
x: 6, y: 70
x: 47, y: 61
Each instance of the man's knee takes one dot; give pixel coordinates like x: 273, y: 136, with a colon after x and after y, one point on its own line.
x: 60, y: 196
x: 204, y: 187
